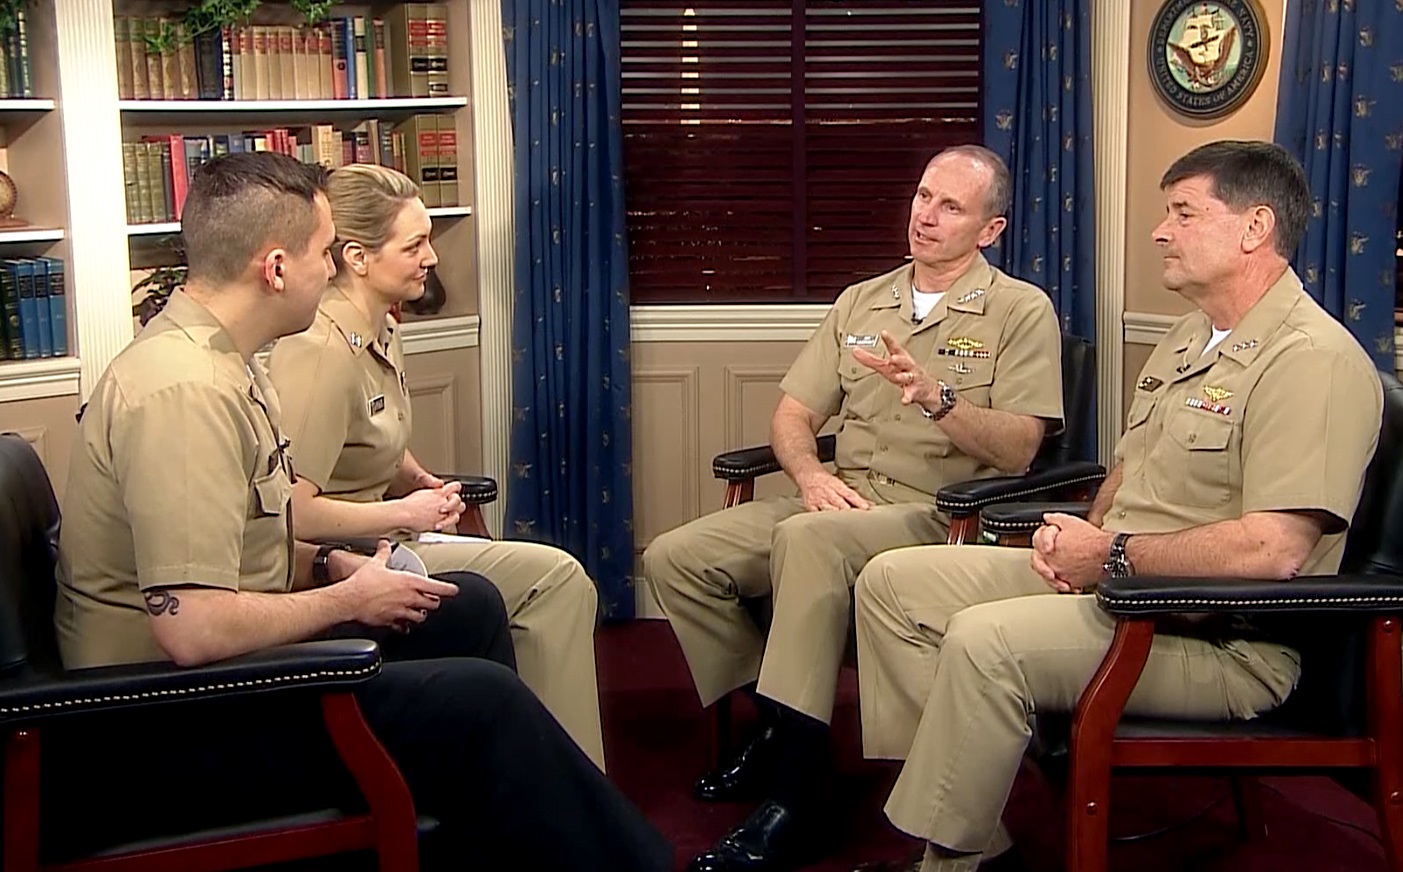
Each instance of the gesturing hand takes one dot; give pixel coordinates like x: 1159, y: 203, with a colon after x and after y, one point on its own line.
x: 901, y: 369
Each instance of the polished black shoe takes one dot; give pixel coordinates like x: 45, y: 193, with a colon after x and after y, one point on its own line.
x: 772, y: 839
x: 748, y: 776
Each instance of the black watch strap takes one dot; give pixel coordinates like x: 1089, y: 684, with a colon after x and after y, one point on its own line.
x: 320, y: 572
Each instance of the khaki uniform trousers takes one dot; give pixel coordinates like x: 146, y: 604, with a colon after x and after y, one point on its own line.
x: 807, y: 561
x: 551, y: 605
x: 959, y: 646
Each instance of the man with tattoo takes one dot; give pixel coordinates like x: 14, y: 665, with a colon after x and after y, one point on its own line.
x: 177, y: 545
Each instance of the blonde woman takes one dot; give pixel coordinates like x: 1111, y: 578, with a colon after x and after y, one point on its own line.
x: 346, y: 411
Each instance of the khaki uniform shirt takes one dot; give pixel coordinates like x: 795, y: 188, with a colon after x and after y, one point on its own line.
x: 343, y: 384
x: 993, y: 338
x: 179, y: 478
x: 1283, y: 414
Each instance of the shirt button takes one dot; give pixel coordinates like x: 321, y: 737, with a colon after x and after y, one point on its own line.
x: 959, y: 381
x: 896, y: 417
x: 1193, y: 437
x: 401, y: 416
x: 852, y: 370
x: 1121, y: 513
x: 883, y: 449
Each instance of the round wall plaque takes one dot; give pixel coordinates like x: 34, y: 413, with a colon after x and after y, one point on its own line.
x: 1207, y: 56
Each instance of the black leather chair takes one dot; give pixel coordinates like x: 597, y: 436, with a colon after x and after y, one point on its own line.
x: 1057, y: 472
x: 478, y: 491
x: 1346, y: 712
x: 36, y: 693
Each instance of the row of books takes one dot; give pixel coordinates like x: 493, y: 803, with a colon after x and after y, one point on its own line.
x: 16, y: 72
x: 157, y: 169
x: 33, y: 315
x: 404, y: 54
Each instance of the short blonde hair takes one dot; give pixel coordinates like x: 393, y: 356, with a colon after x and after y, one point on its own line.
x: 365, y: 201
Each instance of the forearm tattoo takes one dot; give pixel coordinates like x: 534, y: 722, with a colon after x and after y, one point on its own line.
x: 162, y: 602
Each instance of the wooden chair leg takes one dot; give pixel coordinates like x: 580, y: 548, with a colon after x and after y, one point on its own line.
x: 1385, y: 690
x: 471, y: 523
x: 21, y: 851
x: 963, y: 528
x: 1092, y: 740
x: 380, y: 782
x: 738, y: 492
x: 1247, y: 800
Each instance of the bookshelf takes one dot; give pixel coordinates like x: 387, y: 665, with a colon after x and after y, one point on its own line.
x: 17, y: 235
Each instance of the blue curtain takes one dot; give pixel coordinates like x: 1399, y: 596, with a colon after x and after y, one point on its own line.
x: 571, y: 440
x: 1037, y: 116
x: 1340, y: 111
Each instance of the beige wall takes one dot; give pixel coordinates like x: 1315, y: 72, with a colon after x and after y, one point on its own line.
x: 1158, y: 136
x: 691, y: 401
x: 49, y: 425
x: 445, y: 388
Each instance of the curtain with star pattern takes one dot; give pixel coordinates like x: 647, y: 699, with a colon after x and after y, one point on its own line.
x: 1037, y: 117
x: 1340, y: 112
x: 570, y: 482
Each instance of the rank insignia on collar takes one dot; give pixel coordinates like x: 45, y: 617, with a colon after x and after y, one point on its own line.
x: 403, y: 385
x: 1243, y: 346
x: 1215, y: 393
x: 972, y: 295
x: 1196, y: 403
x: 1148, y: 383
x: 964, y: 343
x: 356, y: 341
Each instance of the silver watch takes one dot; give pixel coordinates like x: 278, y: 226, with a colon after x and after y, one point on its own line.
x: 947, y: 402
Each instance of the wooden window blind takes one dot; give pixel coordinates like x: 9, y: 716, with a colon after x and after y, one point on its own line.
x: 771, y: 147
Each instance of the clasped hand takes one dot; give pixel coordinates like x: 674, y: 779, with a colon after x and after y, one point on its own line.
x: 1068, y: 552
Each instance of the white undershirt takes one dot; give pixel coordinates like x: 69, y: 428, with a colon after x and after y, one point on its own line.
x: 1218, y: 336
x: 922, y: 302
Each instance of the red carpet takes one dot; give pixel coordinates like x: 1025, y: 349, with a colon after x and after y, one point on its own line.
x: 656, y: 742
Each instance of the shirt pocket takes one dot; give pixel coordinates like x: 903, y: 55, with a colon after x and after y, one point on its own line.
x: 271, y: 494
x: 1200, y: 455
x: 862, y: 386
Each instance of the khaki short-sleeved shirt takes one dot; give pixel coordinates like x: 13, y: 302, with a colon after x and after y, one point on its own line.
x: 348, y: 415
x: 179, y: 478
x: 993, y: 338
x: 1283, y: 414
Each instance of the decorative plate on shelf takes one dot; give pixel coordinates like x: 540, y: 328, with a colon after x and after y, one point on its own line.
x: 1207, y: 56
x: 9, y: 197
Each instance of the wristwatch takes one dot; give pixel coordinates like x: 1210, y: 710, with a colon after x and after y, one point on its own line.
x: 947, y: 402
x: 1117, y: 564
x: 320, y: 570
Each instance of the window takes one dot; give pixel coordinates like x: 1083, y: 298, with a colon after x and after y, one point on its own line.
x: 771, y: 147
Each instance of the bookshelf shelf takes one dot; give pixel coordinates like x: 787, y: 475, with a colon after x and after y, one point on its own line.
x: 30, y: 234
x: 169, y: 227
x: 27, y: 105
x: 38, y: 378
x: 163, y: 227
x: 298, y: 107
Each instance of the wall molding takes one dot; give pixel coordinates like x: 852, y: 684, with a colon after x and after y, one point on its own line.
x: 736, y: 379
x: 687, y: 379
x: 715, y: 322
x: 495, y: 193
x: 440, y: 334
x: 1110, y: 99
x: 441, y: 386
x: 38, y: 379
x: 1147, y: 328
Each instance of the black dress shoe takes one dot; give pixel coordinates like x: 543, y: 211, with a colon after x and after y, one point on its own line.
x: 772, y: 839
x: 748, y: 776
